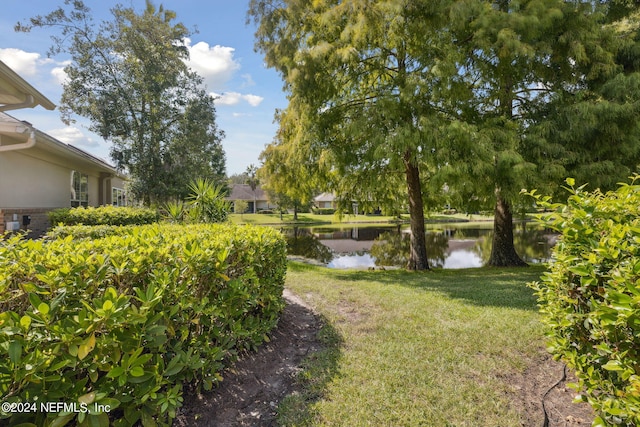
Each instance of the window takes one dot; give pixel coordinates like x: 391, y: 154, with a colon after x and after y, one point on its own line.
x: 118, y: 197
x: 79, y: 189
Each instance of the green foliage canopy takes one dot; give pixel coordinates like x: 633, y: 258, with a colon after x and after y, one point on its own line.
x: 421, y: 94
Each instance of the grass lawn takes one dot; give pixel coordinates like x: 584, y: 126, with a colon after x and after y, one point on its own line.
x: 415, y: 349
x: 306, y: 218
x: 309, y: 218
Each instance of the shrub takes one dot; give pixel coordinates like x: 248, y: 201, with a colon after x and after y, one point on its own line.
x: 590, y: 298
x: 103, y: 215
x: 126, y: 319
x: 84, y: 231
x: 324, y: 211
x: 205, y: 204
x: 240, y: 206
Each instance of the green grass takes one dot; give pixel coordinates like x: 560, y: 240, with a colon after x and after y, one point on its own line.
x: 307, y: 218
x: 415, y: 349
x: 310, y: 218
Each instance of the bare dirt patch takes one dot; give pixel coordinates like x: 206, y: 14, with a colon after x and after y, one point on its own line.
x: 542, y: 395
x: 251, y: 391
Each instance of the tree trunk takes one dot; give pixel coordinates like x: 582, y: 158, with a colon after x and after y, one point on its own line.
x: 503, y: 251
x: 418, y: 248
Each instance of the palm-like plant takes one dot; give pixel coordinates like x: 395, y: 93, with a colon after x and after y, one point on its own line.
x: 207, y: 203
x: 175, y: 210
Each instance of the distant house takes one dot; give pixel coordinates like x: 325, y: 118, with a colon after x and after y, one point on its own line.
x: 256, y: 200
x: 330, y: 201
x: 39, y: 173
x: 325, y: 201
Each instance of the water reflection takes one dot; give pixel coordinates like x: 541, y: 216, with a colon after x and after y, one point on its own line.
x: 302, y: 242
x: 352, y: 261
x: 450, y: 246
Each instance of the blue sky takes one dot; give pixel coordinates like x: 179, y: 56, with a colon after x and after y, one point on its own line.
x: 221, y: 51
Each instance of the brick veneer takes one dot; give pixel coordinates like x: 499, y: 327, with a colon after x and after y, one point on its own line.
x: 39, y: 220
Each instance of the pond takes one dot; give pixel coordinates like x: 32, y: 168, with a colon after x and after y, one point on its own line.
x: 450, y: 245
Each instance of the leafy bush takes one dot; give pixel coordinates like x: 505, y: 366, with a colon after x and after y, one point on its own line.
x: 591, y: 297
x: 240, y: 206
x: 85, y: 231
x: 103, y: 215
x: 126, y: 319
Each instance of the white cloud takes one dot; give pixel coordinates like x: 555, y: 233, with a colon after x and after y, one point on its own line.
x: 248, y: 80
x: 73, y: 136
x: 234, y: 98
x: 23, y: 63
x: 27, y: 64
x: 58, y: 72
x: 253, y: 100
x: 214, y: 63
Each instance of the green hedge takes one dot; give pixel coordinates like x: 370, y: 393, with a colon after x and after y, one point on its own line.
x: 324, y: 211
x: 103, y: 215
x: 126, y: 319
x: 591, y: 298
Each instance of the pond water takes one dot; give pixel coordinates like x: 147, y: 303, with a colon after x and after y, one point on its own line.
x: 450, y: 245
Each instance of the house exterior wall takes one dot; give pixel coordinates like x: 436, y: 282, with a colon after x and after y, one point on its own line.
x: 34, y: 182
x: 36, y: 169
x: 264, y: 204
x: 26, y: 182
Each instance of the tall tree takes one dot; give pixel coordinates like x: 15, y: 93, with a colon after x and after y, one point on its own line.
x: 361, y: 88
x: 129, y: 78
x: 195, y: 150
x: 590, y: 131
x: 518, y: 54
x: 287, y: 173
x: 441, y: 92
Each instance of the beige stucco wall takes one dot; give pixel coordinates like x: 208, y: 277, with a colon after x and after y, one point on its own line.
x: 27, y: 182
x: 38, y: 179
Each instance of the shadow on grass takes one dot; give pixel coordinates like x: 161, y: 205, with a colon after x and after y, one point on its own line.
x: 318, y: 369
x: 486, y: 286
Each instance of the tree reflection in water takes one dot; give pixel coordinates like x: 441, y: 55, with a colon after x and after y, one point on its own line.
x: 532, y: 243
x: 392, y: 248
x: 450, y: 247
x: 301, y: 242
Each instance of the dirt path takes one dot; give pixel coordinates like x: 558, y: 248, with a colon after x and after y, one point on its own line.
x: 250, y: 393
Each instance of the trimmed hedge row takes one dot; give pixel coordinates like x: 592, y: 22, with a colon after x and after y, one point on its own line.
x: 103, y: 215
x: 324, y: 211
x: 590, y: 299
x: 124, y: 320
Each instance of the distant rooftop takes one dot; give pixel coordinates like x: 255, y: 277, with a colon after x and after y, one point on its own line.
x: 244, y: 192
